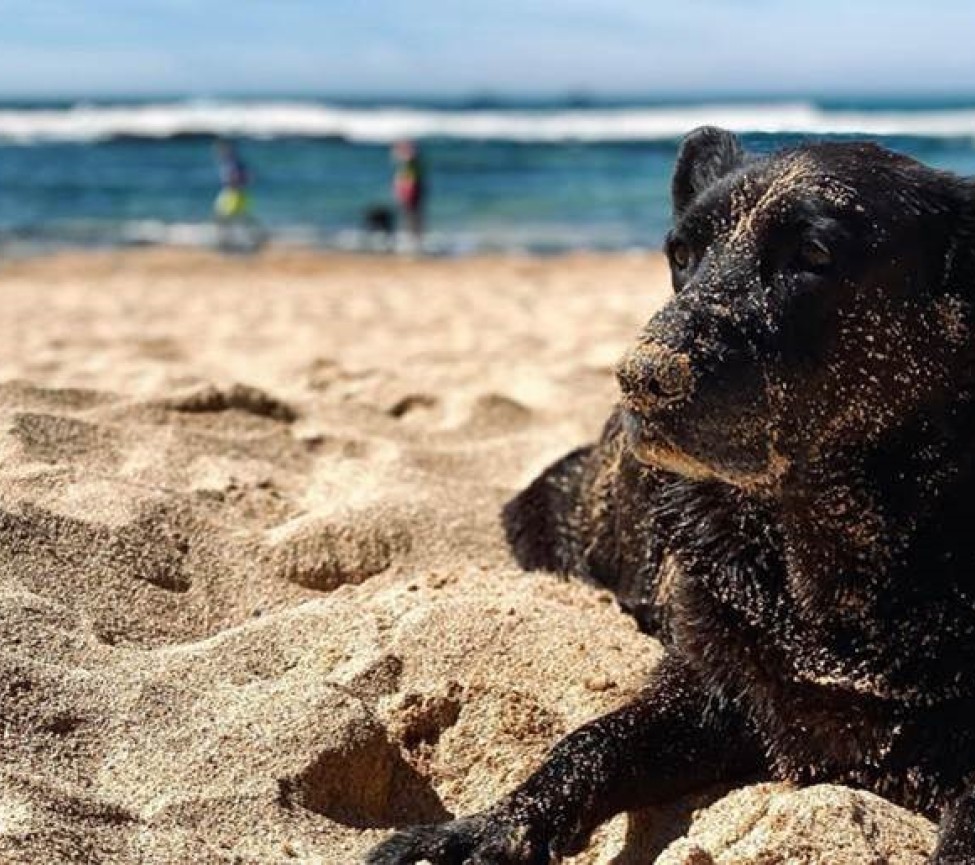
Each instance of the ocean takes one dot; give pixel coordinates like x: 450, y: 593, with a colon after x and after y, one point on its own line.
x: 538, y: 176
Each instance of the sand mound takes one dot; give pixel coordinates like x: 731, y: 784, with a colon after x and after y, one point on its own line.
x: 775, y: 825
x: 256, y: 604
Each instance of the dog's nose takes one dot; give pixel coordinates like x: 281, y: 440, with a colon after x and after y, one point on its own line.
x: 653, y: 376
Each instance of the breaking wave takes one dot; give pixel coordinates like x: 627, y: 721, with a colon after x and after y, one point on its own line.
x: 274, y: 119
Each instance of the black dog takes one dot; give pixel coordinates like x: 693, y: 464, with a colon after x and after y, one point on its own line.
x: 784, y: 495
x: 379, y: 221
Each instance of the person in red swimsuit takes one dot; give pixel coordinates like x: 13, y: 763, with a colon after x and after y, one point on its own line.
x: 409, y: 187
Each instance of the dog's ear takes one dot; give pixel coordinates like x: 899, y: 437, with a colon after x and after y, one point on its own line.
x: 705, y: 155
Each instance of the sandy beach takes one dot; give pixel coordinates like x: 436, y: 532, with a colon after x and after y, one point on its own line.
x: 255, y: 600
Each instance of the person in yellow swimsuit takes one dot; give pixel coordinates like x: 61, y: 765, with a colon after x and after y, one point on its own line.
x: 237, y: 227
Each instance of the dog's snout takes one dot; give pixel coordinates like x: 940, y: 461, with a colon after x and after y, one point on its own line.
x: 652, y: 376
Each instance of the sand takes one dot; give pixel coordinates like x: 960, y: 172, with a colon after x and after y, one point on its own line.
x: 255, y: 601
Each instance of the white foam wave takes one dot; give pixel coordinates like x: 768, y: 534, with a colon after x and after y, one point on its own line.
x: 383, y: 125
x: 505, y: 238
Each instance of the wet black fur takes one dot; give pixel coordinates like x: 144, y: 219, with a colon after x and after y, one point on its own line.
x: 785, y: 496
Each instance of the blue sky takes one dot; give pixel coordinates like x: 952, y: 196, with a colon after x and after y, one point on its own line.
x: 206, y: 47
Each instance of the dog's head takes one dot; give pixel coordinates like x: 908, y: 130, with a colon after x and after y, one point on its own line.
x: 822, y: 296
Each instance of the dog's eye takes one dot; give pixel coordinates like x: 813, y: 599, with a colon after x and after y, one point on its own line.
x: 680, y: 254
x: 813, y: 256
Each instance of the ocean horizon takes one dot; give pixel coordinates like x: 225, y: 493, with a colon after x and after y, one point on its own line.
x: 532, y: 174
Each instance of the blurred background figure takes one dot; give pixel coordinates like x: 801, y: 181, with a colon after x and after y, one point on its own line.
x: 237, y: 229
x: 379, y: 226
x: 409, y: 187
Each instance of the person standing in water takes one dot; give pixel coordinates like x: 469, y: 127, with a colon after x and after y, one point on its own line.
x: 409, y: 187
x: 232, y: 206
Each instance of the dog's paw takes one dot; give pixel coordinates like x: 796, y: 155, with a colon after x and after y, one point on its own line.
x: 480, y: 840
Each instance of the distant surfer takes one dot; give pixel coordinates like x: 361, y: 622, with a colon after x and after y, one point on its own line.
x: 232, y: 206
x: 409, y: 187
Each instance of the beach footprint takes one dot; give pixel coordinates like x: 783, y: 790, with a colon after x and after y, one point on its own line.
x: 492, y: 413
x: 324, y: 551
x: 414, y: 406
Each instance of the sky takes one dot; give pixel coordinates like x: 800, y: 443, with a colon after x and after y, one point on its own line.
x: 455, y: 47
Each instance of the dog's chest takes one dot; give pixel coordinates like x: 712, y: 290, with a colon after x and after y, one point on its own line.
x: 835, y: 699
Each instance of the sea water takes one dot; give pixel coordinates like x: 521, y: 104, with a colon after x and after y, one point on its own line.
x: 535, y: 175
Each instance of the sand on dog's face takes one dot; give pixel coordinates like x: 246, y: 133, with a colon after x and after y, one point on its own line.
x: 256, y: 604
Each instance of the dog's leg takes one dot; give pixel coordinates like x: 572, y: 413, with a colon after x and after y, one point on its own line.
x: 956, y: 838
x: 668, y: 741
x: 543, y: 522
